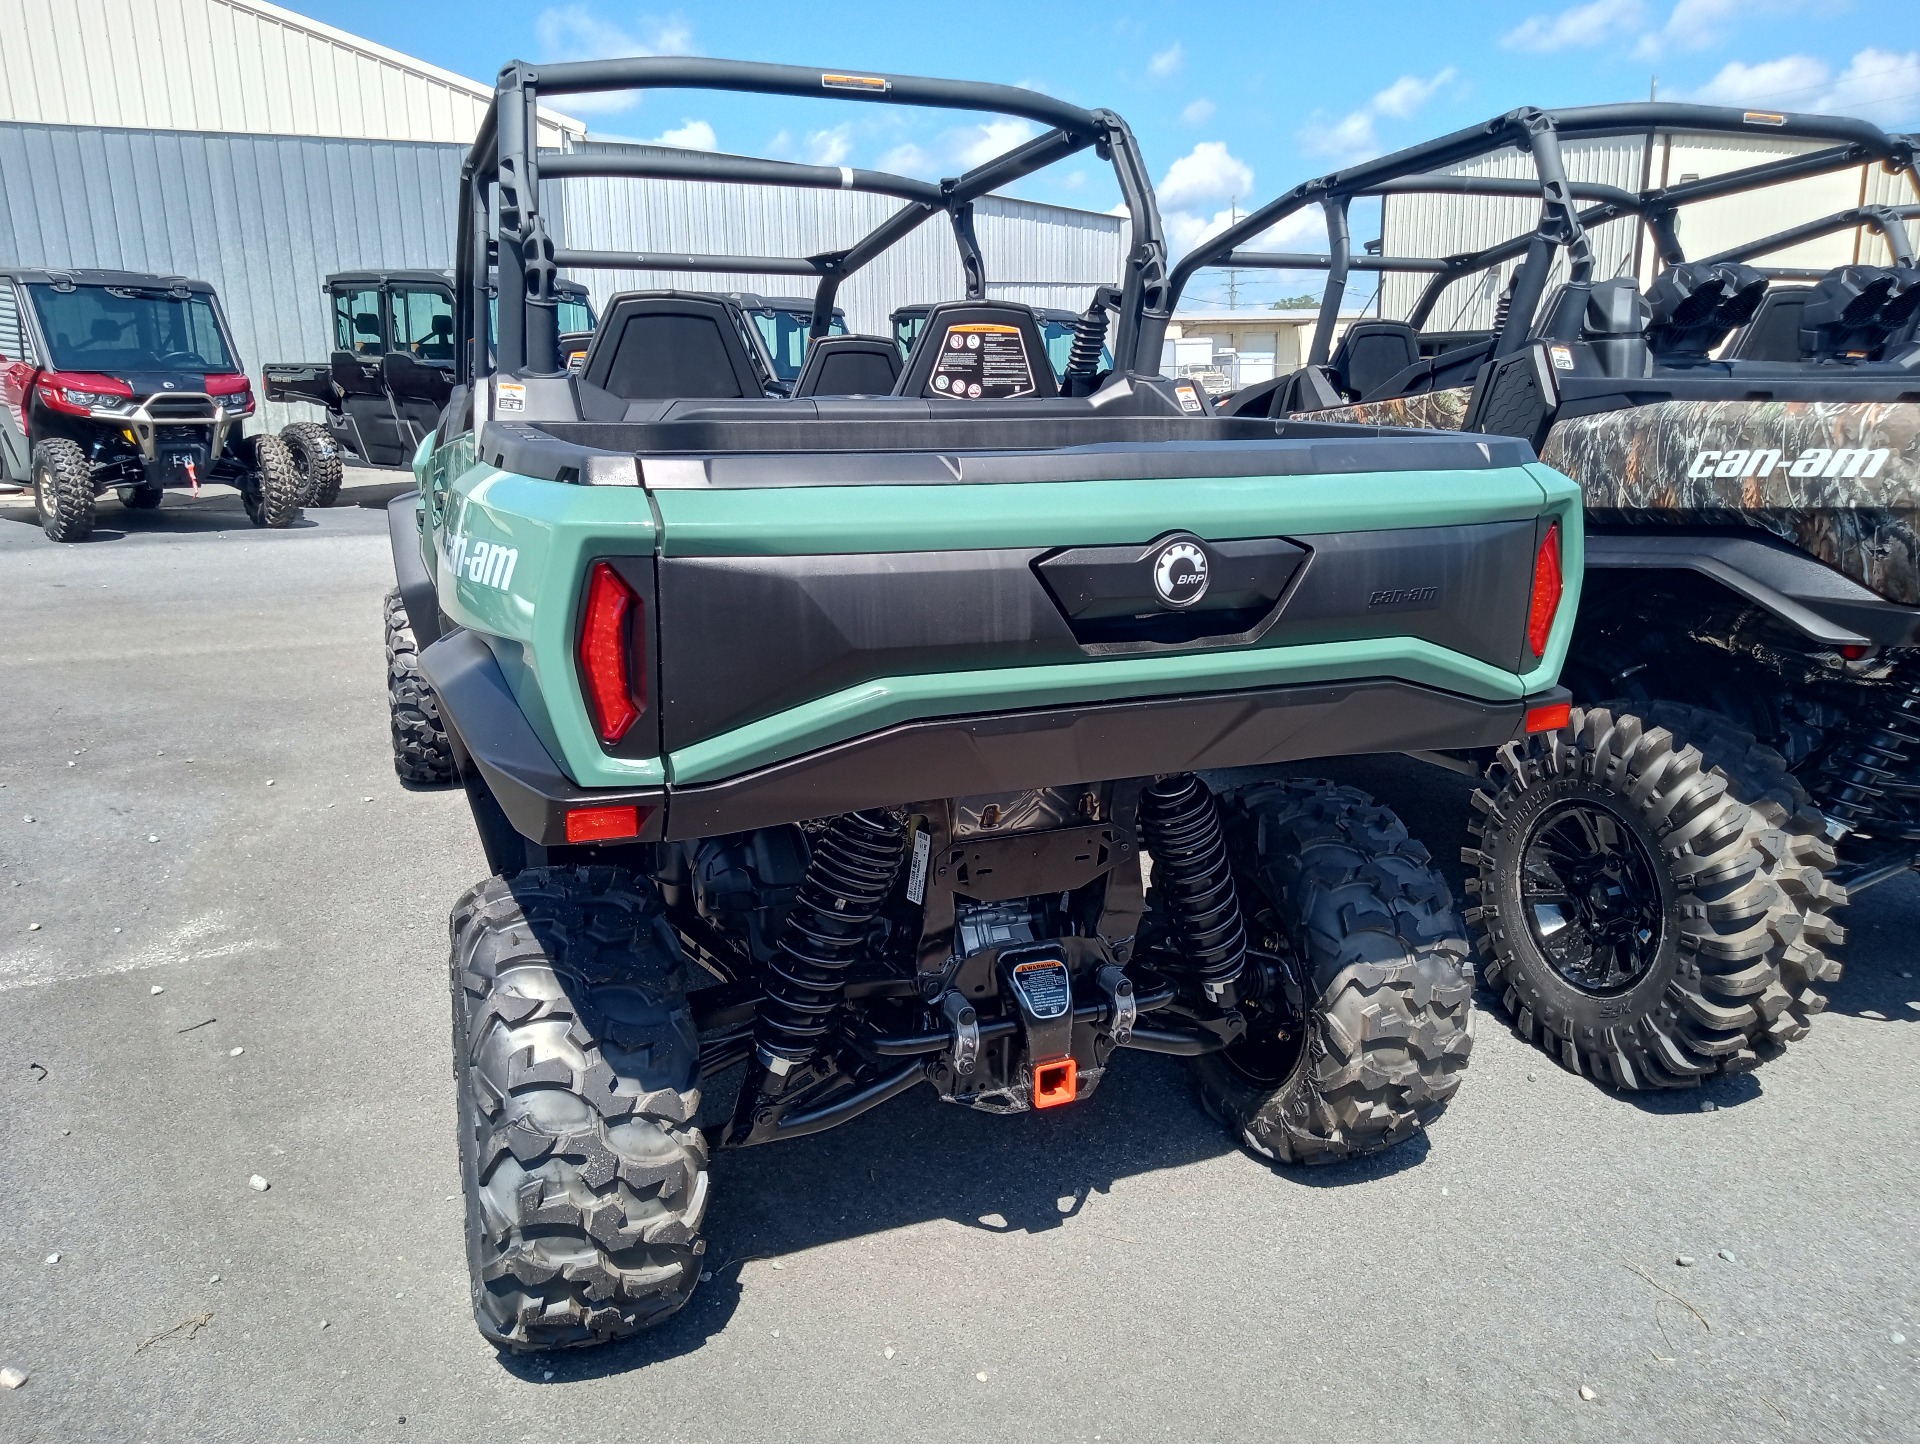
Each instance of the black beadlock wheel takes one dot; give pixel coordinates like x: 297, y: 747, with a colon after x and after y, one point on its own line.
x: 1652, y: 908
x: 272, y: 491
x: 421, y: 752
x: 63, y: 490
x: 316, y: 457
x: 578, y: 1075
x: 1387, y: 985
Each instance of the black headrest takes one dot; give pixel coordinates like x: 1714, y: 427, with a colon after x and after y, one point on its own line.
x: 1373, y: 352
x: 1615, y: 308
x: 1855, y: 310
x: 1774, y: 332
x: 979, y: 350
x: 666, y: 345
x: 367, y: 323
x: 1693, y: 306
x: 849, y: 366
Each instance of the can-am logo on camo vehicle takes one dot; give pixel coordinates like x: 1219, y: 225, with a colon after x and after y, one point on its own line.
x: 486, y: 564
x: 1815, y: 461
x: 1180, y: 573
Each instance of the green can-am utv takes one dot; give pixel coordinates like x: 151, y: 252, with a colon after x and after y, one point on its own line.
x: 818, y: 743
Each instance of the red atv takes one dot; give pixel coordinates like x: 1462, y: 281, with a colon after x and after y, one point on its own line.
x: 111, y: 380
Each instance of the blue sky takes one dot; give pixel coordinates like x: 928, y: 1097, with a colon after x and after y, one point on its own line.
x: 1232, y: 102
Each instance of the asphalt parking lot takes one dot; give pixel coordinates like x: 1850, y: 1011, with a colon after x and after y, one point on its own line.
x: 222, y: 955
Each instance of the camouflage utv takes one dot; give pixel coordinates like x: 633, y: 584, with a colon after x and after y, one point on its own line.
x: 1656, y: 882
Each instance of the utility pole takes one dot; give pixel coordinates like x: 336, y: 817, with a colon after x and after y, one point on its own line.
x: 1233, y: 277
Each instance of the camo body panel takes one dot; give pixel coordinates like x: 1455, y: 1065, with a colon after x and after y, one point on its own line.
x: 1637, y: 466
x: 1431, y: 411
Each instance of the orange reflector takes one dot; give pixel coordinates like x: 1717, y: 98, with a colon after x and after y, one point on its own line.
x: 1055, y: 1083
x: 1547, y: 586
x: 602, y: 824
x: 1550, y: 718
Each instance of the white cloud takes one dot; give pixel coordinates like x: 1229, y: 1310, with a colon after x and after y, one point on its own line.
x: 1351, y: 136
x: 1167, y: 61
x: 575, y: 32
x: 1693, y: 25
x: 1581, y: 25
x: 1207, y: 172
x: 688, y: 135
x: 975, y: 145
x: 1304, y: 230
x: 830, y: 147
x: 1409, y: 93
x: 1879, y: 85
x: 910, y: 159
x: 1198, y: 112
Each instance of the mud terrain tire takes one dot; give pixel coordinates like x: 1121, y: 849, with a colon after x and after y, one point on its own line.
x: 1736, y: 890
x: 63, y: 490
x: 421, y: 752
x: 316, y: 457
x: 273, y: 490
x: 578, y: 1068
x: 1386, y: 979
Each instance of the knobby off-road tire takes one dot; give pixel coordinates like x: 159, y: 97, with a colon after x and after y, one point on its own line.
x: 140, y: 498
x: 273, y: 490
x: 421, y: 752
x: 578, y: 1071
x: 1736, y: 909
x: 316, y: 457
x: 1386, y: 982
x: 63, y: 490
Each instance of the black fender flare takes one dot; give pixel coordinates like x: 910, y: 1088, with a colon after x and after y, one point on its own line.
x: 404, y: 519
x: 1827, y: 608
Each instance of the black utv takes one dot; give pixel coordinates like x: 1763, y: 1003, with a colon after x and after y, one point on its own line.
x: 130, y: 383
x: 1746, y: 435
x: 390, y: 373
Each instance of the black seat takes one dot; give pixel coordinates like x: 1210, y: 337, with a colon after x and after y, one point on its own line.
x: 1774, y: 332
x: 1695, y: 305
x: 1854, y: 311
x: 1372, y: 353
x: 849, y: 366
x: 979, y: 350
x: 668, y: 345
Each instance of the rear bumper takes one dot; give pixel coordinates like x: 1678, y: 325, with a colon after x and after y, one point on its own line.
x: 962, y: 756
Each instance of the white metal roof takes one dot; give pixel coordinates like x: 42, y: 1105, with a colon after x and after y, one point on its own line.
x: 236, y: 66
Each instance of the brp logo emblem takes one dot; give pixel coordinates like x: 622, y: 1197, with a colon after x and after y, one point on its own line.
x: 166, y: 386
x: 1180, y: 574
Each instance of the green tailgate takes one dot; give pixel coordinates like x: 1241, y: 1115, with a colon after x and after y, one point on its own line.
x: 527, y: 608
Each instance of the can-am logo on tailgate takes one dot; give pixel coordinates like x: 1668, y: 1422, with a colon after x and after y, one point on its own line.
x: 486, y: 564
x: 1815, y: 461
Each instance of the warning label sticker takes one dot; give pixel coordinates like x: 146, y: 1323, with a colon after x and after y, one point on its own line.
x: 982, y: 361
x: 1045, y: 985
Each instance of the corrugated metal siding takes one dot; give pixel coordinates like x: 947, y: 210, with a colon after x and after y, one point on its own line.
x: 1450, y: 225
x: 239, y: 66
x: 1042, y: 255
x: 264, y: 218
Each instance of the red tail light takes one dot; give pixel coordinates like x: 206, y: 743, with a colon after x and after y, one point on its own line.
x: 615, y: 684
x: 1547, y: 586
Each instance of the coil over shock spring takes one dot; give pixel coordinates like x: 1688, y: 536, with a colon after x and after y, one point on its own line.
x: 1089, y: 335
x: 848, y: 877
x: 1181, y: 823
x: 1870, y: 781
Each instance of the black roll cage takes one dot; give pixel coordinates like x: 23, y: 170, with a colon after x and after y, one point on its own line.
x: 1564, y: 221
x: 500, y: 188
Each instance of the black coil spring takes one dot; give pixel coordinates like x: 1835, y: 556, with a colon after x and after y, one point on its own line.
x: 1870, y: 781
x: 1089, y: 335
x: 1181, y: 823
x: 849, y: 875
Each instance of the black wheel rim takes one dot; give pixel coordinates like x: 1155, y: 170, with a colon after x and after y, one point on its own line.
x: 1590, y: 891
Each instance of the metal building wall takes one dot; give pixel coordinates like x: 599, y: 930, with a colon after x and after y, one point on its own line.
x: 240, y: 66
x: 1450, y: 225
x: 1042, y: 255
x: 263, y: 218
